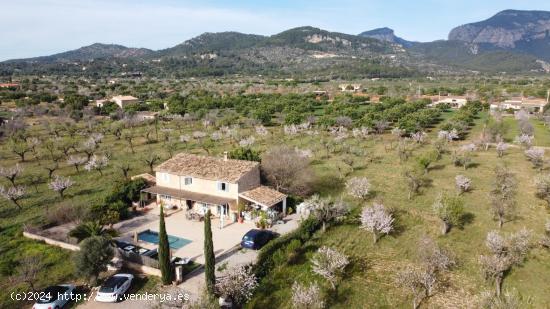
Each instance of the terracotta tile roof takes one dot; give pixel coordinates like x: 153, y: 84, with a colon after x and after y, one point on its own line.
x: 210, y: 168
x: 150, y: 179
x: 263, y: 195
x: 124, y: 97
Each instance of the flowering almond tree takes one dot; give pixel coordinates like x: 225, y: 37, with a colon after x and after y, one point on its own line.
x: 13, y: 194
x: 330, y: 264
x: 261, y: 130
x: 535, y: 156
x: 307, y: 297
x: 237, y: 284
x: 505, y: 252
x: 97, y: 163
x: 325, y: 210
x: 524, y: 140
x: 59, y: 184
x: 77, y: 161
x: 501, y: 149
x: 462, y: 183
x: 376, y: 220
x: 419, y: 137
x: 11, y: 173
x: 542, y: 186
x: 358, y: 187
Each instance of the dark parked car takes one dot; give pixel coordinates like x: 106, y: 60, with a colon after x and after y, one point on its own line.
x: 256, y: 239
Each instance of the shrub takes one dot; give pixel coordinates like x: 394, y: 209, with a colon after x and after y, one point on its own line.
x: 265, y: 261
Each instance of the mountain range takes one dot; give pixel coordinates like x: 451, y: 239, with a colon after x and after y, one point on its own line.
x: 510, y: 41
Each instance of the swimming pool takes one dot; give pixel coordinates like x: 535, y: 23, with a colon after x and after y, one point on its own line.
x: 153, y: 237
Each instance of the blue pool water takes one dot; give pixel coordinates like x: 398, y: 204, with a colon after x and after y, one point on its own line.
x: 153, y: 237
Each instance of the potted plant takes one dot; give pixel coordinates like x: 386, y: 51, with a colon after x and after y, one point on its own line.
x: 240, y: 209
x: 262, y: 222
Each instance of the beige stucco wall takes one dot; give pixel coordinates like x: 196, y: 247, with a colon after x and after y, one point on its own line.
x: 123, y: 103
x: 203, y: 186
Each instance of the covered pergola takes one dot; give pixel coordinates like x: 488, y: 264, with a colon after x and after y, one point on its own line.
x: 265, y: 197
x: 184, y: 195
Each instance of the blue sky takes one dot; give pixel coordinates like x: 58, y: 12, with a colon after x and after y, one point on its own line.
x: 42, y: 27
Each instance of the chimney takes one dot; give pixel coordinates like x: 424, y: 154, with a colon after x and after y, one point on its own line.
x: 225, y: 155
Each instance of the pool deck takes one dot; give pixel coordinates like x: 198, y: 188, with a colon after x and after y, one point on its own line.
x: 224, y: 238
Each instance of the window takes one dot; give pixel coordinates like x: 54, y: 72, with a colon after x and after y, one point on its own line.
x: 165, y: 177
x: 188, y: 181
x: 222, y: 186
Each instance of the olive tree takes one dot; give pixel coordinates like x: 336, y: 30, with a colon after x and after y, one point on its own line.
x: 503, y: 194
x: 415, y: 180
x: 450, y: 209
x: 92, y: 258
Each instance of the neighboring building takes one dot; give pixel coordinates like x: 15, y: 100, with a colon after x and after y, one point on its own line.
x: 531, y: 105
x: 100, y: 103
x: 349, y: 87
x: 320, y: 94
x: 197, y: 183
x: 453, y: 102
x: 9, y: 85
x: 123, y: 100
x: 146, y: 115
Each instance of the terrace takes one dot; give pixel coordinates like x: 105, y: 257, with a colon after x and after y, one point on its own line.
x: 189, y: 233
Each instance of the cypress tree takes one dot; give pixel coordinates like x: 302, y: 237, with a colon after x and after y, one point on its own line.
x: 164, y: 251
x: 209, y: 259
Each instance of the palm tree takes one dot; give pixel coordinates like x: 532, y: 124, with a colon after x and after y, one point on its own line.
x: 91, y: 228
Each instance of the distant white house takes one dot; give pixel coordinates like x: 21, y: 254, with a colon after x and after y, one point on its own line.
x: 531, y: 105
x: 100, y: 103
x: 454, y: 102
x: 124, y: 100
x: 349, y: 87
x: 120, y: 100
x: 146, y: 115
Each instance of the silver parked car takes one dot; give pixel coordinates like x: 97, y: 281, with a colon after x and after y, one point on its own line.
x: 114, y: 287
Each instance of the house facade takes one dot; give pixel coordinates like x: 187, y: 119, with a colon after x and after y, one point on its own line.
x: 531, y: 105
x: 200, y: 183
x: 123, y: 100
x: 453, y: 102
